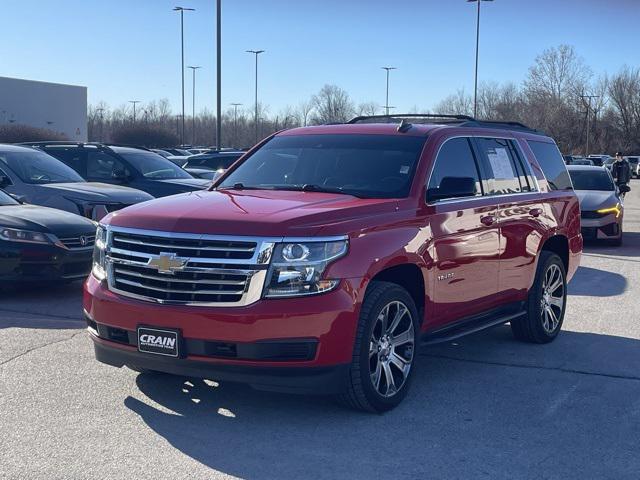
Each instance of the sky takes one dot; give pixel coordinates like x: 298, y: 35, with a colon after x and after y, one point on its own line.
x: 130, y: 49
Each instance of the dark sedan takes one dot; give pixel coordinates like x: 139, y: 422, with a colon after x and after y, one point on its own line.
x: 133, y: 167
x: 40, y: 244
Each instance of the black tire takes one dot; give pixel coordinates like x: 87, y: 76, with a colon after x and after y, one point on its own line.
x: 361, y: 393
x: 533, y: 327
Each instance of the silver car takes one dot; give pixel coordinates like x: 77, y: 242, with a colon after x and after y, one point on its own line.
x: 35, y: 177
x: 601, y: 206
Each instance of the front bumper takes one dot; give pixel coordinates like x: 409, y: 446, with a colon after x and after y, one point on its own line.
x: 42, y: 263
x: 262, y: 344
x: 607, y: 227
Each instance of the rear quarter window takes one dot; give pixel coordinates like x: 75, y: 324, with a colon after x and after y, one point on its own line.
x: 552, y: 164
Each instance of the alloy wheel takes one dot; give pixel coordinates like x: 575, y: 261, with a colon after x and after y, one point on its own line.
x: 553, y: 298
x: 391, y: 349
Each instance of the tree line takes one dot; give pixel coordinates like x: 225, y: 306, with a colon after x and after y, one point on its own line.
x: 560, y: 96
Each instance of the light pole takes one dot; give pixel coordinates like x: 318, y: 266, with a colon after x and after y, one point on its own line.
x: 101, y: 110
x: 219, y: 74
x: 182, y: 10
x: 256, y: 53
x: 134, y: 108
x: 386, y: 105
x: 475, y: 87
x: 235, y: 123
x: 193, y: 136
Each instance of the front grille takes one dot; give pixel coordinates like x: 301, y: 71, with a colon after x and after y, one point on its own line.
x: 185, y: 268
x: 78, y: 242
x: 588, y: 214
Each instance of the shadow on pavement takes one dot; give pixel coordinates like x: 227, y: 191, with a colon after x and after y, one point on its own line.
x: 465, y: 417
x: 593, y: 282
x: 630, y: 247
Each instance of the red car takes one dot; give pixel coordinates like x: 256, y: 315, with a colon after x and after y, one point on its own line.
x: 324, y: 257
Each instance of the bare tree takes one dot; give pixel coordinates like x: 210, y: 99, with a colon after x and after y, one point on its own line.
x: 457, y: 104
x: 367, y: 109
x: 303, y: 112
x: 332, y: 105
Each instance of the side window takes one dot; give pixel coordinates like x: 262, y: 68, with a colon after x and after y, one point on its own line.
x: 71, y: 157
x: 550, y: 161
x: 102, y: 166
x: 523, y: 168
x: 455, y: 173
x: 504, y: 177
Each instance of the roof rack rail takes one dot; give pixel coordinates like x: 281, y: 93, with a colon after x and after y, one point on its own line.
x: 500, y: 125
x: 399, y: 116
x: 52, y: 142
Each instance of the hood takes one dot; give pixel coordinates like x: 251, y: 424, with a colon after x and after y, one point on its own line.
x: 99, y: 192
x: 45, y: 220
x: 591, y: 200
x: 252, y: 212
x: 191, y: 183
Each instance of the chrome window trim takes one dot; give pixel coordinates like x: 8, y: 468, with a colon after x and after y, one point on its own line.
x: 255, y: 268
x: 452, y: 200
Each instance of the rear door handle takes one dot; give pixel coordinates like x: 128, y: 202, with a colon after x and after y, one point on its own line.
x: 535, y: 212
x: 488, y: 220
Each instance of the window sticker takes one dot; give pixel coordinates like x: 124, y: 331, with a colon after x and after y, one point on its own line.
x: 404, y: 169
x: 500, y: 163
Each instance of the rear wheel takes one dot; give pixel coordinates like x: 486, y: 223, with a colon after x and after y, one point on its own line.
x: 383, y: 356
x: 546, y: 303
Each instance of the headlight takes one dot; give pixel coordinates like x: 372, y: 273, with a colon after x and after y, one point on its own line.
x: 99, y: 268
x: 297, y: 268
x: 23, y: 236
x: 617, y: 209
x: 94, y: 211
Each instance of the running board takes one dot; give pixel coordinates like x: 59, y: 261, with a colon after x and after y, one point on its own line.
x: 466, y: 328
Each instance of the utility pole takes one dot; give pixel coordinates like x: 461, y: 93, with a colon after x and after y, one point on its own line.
x: 182, y: 10
x: 256, y: 53
x: 386, y: 104
x: 587, y: 104
x: 193, y: 118
x: 235, y: 123
x: 475, y: 87
x: 134, y: 109
x: 219, y: 74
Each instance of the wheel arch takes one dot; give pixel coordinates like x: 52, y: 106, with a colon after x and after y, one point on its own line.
x: 410, y: 277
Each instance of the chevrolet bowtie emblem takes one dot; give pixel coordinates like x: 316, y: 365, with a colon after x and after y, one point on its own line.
x: 168, y: 263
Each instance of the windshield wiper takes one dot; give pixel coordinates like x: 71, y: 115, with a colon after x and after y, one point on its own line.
x: 242, y: 186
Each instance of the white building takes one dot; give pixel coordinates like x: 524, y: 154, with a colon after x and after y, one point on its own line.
x: 54, y: 106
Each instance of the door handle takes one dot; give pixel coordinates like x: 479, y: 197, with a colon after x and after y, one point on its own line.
x: 535, y: 212
x: 488, y: 220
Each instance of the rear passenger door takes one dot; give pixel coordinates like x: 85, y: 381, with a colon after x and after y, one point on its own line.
x: 520, y: 212
x: 465, y: 235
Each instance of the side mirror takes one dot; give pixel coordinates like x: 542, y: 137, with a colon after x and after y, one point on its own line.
x: 4, y: 181
x: 453, y: 187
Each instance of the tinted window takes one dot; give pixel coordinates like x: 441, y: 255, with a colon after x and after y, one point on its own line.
x: 34, y: 166
x: 596, y: 179
x: 71, y: 157
x: 102, y: 166
x: 504, y: 174
x: 379, y: 166
x: 550, y: 161
x: 151, y: 165
x: 455, y: 163
x: 214, y: 162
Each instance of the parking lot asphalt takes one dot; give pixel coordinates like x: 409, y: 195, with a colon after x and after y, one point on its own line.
x: 484, y: 406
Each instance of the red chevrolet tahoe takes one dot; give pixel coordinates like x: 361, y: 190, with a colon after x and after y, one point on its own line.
x: 324, y: 257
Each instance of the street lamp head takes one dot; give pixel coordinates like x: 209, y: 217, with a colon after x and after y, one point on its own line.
x: 193, y: 67
x: 389, y: 68
x: 255, y: 51
x: 185, y: 9
x: 474, y: 1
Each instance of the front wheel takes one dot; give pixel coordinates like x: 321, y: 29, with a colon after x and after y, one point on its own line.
x: 384, y: 351
x: 546, y: 304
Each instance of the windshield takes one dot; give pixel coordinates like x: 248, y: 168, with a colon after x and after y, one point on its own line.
x: 36, y: 167
x: 153, y: 166
x: 214, y: 162
x: 6, y: 199
x: 591, y: 180
x: 369, y: 166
